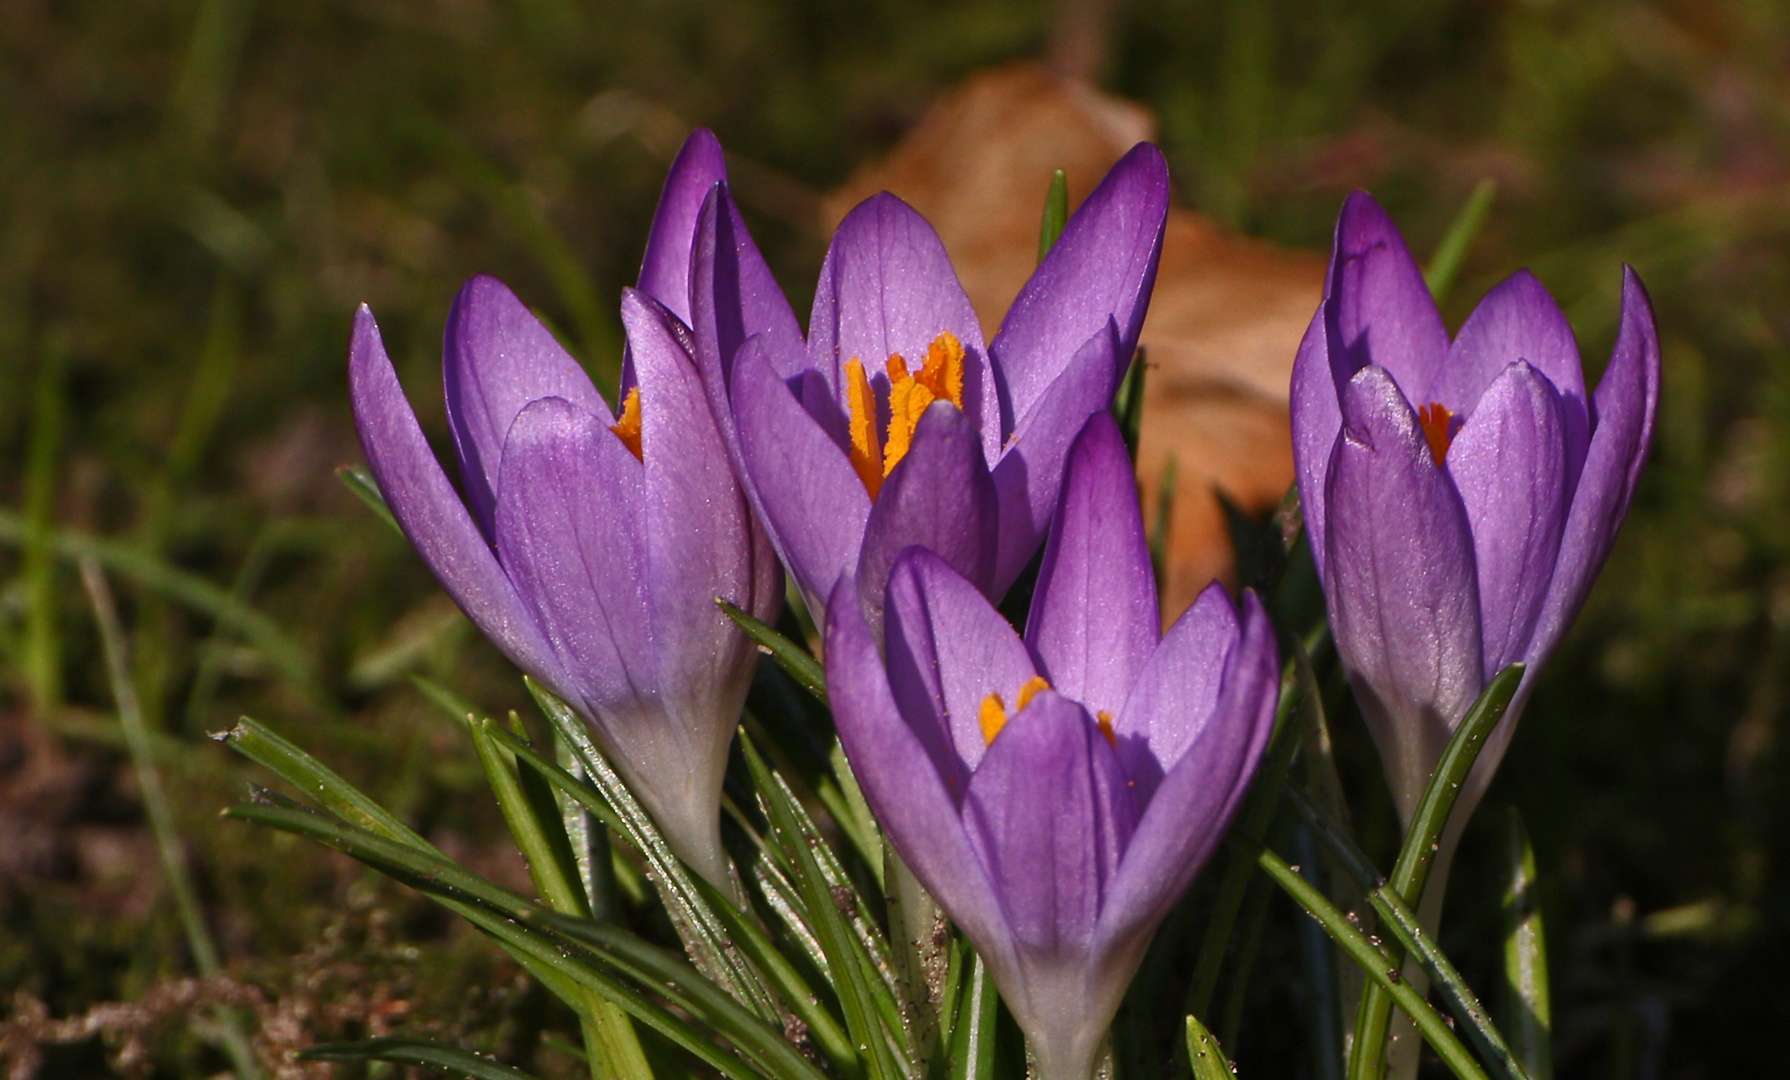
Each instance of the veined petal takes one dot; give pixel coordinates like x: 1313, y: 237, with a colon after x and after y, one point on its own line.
x: 1380, y: 308
x: 1316, y: 419
x: 1030, y: 473
x: 1187, y: 814
x: 888, y: 288
x: 665, y: 268
x: 1049, y: 814
x: 733, y: 296
x: 1509, y: 465
x: 1518, y: 320
x: 907, y: 796
x: 939, y: 497
x: 496, y: 359
x: 431, y: 513
x: 1094, y: 619
x: 569, y: 533
x: 1176, y: 691
x: 1101, y: 269
x: 948, y: 649
x: 1625, y: 404
x: 812, y: 502
x: 1401, y: 582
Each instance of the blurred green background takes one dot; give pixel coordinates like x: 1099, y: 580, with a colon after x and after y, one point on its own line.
x: 195, y: 195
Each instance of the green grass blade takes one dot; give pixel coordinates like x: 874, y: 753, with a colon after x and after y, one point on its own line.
x: 608, y: 960
x: 1128, y: 403
x: 1208, y: 1061
x: 255, y: 741
x: 1445, y: 264
x: 195, y: 592
x: 359, y: 479
x: 1401, y: 922
x: 402, y: 1051
x: 1381, y: 969
x: 36, y: 534
x: 1526, y: 1008
x: 1056, y: 213
x: 874, y: 1025
x: 1410, y: 874
x: 972, y: 1042
x: 791, y: 657
x: 698, y: 928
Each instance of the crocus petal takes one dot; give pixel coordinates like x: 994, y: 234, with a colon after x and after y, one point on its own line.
x: 496, y: 359
x: 1093, y: 619
x: 938, y: 497
x: 1188, y: 812
x: 1029, y: 475
x: 1404, y: 605
x: 696, y: 527
x: 810, y: 498
x: 1102, y: 268
x: 888, y: 288
x: 1381, y: 311
x: 1509, y: 465
x: 1625, y: 403
x: 431, y: 513
x: 734, y: 297
x: 665, y: 269
x: 1518, y: 320
x: 908, y: 797
x: 1176, y: 690
x: 1316, y: 418
x: 948, y: 649
x: 570, y: 535
x: 1050, y: 815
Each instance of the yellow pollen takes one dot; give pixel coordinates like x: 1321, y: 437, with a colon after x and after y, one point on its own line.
x: 994, y: 710
x: 1105, y: 720
x: 1434, y: 419
x: 866, y: 449
x: 910, y: 392
x: 627, y: 429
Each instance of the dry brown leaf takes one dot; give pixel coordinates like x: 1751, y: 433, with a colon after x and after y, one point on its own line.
x: 1228, y: 311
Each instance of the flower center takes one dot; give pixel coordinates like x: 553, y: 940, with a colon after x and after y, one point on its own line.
x: 1434, y: 418
x: 940, y: 376
x: 627, y: 428
x: 994, y: 711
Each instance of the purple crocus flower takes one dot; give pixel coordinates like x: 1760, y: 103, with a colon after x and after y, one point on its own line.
x: 1460, y: 496
x: 590, y: 548
x: 1057, y: 793
x: 894, y: 424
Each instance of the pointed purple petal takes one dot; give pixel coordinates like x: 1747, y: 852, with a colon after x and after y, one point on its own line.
x: 1029, y: 475
x: 431, y: 513
x: 1102, y: 268
x: 1094, y: 619
x: 1316, y: 421
x: 888, y: 288
x: 1509, y: 464
x: 1401, y: 585
x: 569, y: 531
x: 665, y: 269
x: 1625, y: 403
x: 907, y: 796
x: 1382, y: 312
x: 734, y: 297
x: 948, y: 649
x: 1050, y: 815
x: 1187, y: 815
x: 1176, y: 690
x: 497, y: 358
x: 810, y: 498
x: 1518, y: 320
x: 938, y: 497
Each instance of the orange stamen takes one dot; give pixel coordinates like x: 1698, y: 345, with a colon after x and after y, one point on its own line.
x: 994, y: 711
x: 866, y: 452
x: 1105, y: 720
x: 940, y: 376
x: 1434, y: 418
x: 627, y: 429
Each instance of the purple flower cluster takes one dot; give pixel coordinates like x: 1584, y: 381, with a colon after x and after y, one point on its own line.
x: 1054, y: 790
